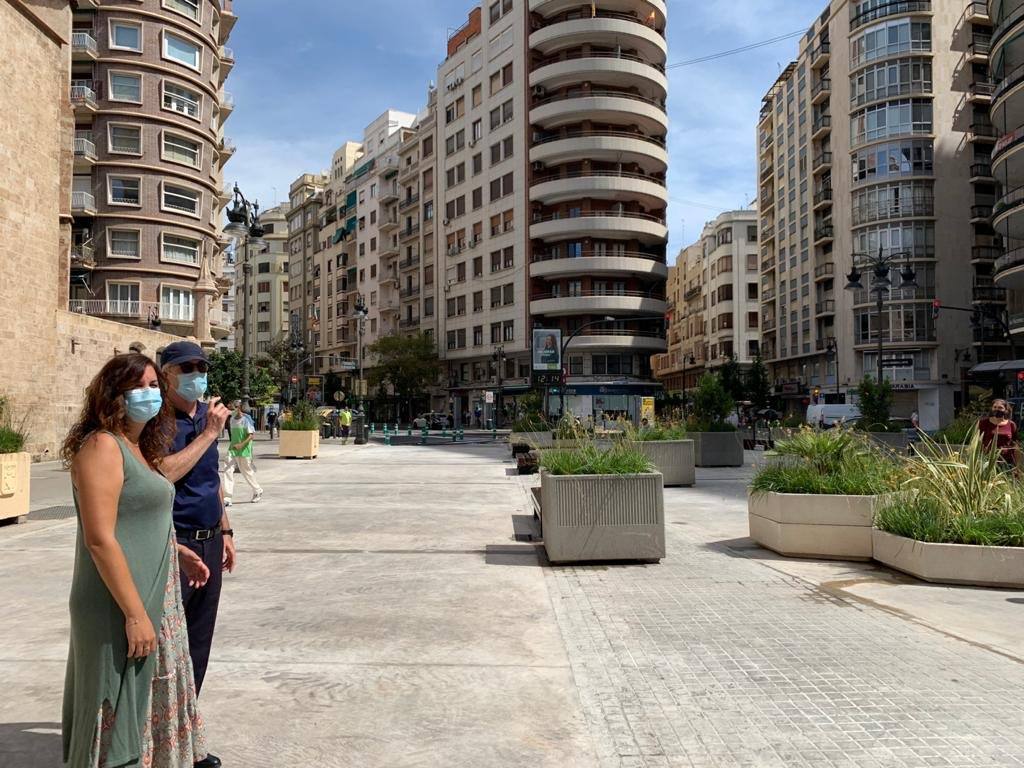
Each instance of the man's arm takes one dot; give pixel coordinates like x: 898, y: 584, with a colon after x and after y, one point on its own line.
x: 177, y: 465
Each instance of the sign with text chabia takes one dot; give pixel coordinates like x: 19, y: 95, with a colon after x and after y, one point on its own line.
x: 547, y: 349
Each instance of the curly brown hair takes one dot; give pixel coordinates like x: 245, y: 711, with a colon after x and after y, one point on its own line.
x: 104, y: 409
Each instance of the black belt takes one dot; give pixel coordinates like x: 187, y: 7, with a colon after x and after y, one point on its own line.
x: 202, y: 534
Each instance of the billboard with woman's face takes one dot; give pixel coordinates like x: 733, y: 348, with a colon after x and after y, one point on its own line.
x: 547, y: 349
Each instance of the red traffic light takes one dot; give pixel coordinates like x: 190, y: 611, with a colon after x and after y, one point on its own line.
x: 295, y: 379
x: 1020, y: 375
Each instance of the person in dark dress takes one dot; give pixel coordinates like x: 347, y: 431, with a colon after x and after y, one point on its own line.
x: 999, y: 428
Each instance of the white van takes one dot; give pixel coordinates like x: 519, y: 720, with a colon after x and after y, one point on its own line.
x: 827, y: 415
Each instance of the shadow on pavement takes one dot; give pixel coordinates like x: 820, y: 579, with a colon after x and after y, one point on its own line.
x: 30, y: 745
x: 530, y: 555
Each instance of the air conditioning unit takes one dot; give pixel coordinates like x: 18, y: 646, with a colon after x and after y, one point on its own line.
x: 472, y: 142
x: 472, y: 243
x: 458, y: 81
x: 538, y: 166
x: 447, y: 222
x: 539, y: 91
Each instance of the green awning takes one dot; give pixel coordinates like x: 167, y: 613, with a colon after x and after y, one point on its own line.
x: 350, y: 225
x: 339, y: 235
x: 350, y: 201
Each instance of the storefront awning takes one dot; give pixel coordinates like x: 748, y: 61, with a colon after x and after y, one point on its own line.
x: 998, y: 366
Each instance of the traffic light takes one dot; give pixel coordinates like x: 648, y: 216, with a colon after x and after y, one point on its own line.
x: 936, y: 306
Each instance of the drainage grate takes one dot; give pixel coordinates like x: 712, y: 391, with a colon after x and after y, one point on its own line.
x: 62, y: 512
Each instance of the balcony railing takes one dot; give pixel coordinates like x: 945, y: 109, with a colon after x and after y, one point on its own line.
x: 893, y: 8
x: 85, y: 148
x: 824, y: 271
x: 409, y: 262
x: 83, y: 201
x: 981, y: 171
x: 821, y: 123
x: 544, y: 139
x: 83, y: 254
x: 588, y: 293
x: 822, y: 86
x: 826, y: 307
x: 410, y: 231
x: 824, y: 232
x: 985, y: 252
x: 823, y: 196
x: 83, y: 95
x: 869, y: 212
x: 226, y: 54
x: 137, y: 310
x: 409, y: 322
x: 409, y: 291
x: 83, y: 41
x: 825, y: 158
x: 408, y: 202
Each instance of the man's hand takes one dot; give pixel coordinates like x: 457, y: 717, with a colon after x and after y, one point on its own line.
x: 192, y: 565
x: 229, y: 554
x: 216, y: 416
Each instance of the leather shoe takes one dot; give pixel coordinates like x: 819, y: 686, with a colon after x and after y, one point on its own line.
x: 210, y: 761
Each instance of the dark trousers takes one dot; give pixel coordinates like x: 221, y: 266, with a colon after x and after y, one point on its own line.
x: 201, y: 603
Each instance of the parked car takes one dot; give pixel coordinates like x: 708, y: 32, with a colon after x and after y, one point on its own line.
x: 828, y: 415
x: 432, y: 420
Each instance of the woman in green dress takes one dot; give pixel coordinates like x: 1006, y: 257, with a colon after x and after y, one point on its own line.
x: 129, y: 695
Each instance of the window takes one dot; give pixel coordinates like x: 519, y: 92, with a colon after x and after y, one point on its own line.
x: 477, y: 95
x: 478, y: 163
x: 125, y: 87
x: 495, y: 333
x: 460, y: 272
x: 495, y: 296
x: 508, y: 258
x: 181, y: 50
x: 478, y: 130
x: 509, y: 329
x: 183, y: 250
x: 188, y: 8
x: 123, y: 243
x: 125, y: 36
x: 508, y: 293
x: 501, y: 187
x: 478, y: 266
x: 182, y: 100
x: 123, y: 190
x: 478, y: 301
x: 178, y: 149
x: 124, y: 139
x: 176, y: 303
x: 123, y: 298
x: 478, y: 335
x: 180, y: 199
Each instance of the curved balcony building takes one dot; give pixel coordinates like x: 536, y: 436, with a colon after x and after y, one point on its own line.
x: 147, y: 88
x: 597, y: 192
x: 1007, y: 111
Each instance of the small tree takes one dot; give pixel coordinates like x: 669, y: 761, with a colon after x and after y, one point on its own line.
x: 408, y: 363
x: 225, y: 378
x: 711, y: 403
x: 875, y: 404
x: 733, y: 380
x: 759, y: 388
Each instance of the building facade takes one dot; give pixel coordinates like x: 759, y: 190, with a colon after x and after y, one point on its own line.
x: 147, y: 90
x: 872, y: 141
x: 268, y: 287
x: 305, y: 196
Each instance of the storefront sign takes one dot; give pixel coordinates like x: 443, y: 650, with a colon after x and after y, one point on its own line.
x: 647, y: 409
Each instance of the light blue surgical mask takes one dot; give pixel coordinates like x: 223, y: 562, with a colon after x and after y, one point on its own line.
x: 143, y: 404
x: 191, y: 386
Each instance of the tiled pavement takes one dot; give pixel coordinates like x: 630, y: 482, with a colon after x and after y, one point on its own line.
x: 712, y: 659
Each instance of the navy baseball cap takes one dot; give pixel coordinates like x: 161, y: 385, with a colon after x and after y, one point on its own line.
x: 181, y: 352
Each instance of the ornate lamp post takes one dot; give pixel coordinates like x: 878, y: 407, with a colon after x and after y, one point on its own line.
x: 244, y: 222
x: 565, y: 365
x: 360, y: 313
x: 880, y: 267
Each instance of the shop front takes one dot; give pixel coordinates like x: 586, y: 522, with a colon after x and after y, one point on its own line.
x: 603, y: 402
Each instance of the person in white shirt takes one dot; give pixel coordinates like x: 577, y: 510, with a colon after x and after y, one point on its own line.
x: 242, y: 433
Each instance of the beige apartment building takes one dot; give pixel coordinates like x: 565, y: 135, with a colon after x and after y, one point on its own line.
x: 268, y: 286
x: 147, y: 91
x: 878, y: 137
x: 714, y: 302
x: 1006, y: 21
x: 305, y: 196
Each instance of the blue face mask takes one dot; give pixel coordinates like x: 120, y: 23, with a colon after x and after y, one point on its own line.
x: 191, y: 386
x: 143, y: 404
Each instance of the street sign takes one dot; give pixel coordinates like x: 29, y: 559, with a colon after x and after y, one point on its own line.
x: 898, y: 362
x: 313, y: 381
x: 488, y: 397
x: 348, y: 365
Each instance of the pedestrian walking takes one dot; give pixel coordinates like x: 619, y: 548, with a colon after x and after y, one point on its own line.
x: 272, y: 423
x: 129, y: 691
x: 241, y: 434
x: 998, y: 428
x: 345, y: 419
x: 201, y: 522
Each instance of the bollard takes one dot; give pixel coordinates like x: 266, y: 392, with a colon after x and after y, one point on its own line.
x: 410, y: 431
x: 372, y: 427
x: 444, y: 431
x: 387, y: 438
x: 455, y: 435
x: 462, y: 435
x: 396, y: 427
x: 423, y: 436
x: 494, y: 433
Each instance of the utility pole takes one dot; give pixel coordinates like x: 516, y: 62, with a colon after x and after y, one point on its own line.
x: 499, y: 364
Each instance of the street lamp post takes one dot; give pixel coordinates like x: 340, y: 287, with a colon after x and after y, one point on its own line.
x: 244, y: 221
x: 565, y: 365
x: 880, y: 266
x: 499, y: 363
x: 360, y: 315
x: 832, y: 353
x: 691, y: 360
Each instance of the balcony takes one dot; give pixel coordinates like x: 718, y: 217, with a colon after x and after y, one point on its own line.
x: 980, y: 214
x: 768, y: 265
x: 83, y: 203
x: 1006, y: 215
x: 822, y: 125
x: 623, y: 264
x: 985, y: 253
x: 614, y: 225
x: 978, y: 49
x: 85, y: 153
x: 409, y: 292
x: 601, y: 145
x: 83, y: 47
x: 83, y: 257
x: 591, y: 303
x: 174, y: 314
x: 225, y: 105
x: 1008, y: 270
x: 619, y: 70
x: 598, y: 339
x: 601, y: 106
x: 823, y: 233
x: 988, y: 294
x: 768, y: 325
x: 83, y: 100
x: 388, y: 249
x: 767, y: 200
x: 387, y: 224
x: 767, y: 297
x: 976, y: 13
x: 825, y: 271
x: 823, y: 198
x: 982, y: 172
x: 388, y: 194
x: 409, y: 322
x: 408, y: 202
x: 409, y: 232
x: 600, y: 185
x: 891, y: 8
x: 653, y: 10
x: 981, y: 91
x: 822, y: 161
x: 824, y: 308
x: 227, y: 61
x: 226, y: 149
x: 767, y: 169
x: 982, y: 133
x: 388, y: 277
x: 821, y: 90
x: 227, y: 19
x: 821, y: 54
x: 606, y: 29
x: 408, y: 171
x: 767, y: 234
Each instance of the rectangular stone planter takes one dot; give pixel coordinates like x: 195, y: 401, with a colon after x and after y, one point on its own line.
x: 675, y: 459
x: 298, y: 444
x: 603, y: 517
x: 15, y: 478
x: 532, y: 439
x: 951, y: 563
x: 718, y: 449
x: 813, y: 525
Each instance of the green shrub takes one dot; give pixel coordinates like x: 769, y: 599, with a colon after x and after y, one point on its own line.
x: 712, y: 404
x: 793, y: 421
x: 875, y: 404
x: 834, y: 461
x: 531, y: 422
x: 659, y: 432
x: 303, y: 418
x: 924, y: 519
x: 959, y: 431
x: 698, y: 425
x: 13, y: 435
x: 621, y: 458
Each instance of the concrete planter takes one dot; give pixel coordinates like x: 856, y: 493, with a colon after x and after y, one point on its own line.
x: 602, y: 517
x: 298, y: 444
x: 718, y: 449
x: 532, y: 439
x: 813, y: 525
x: 15, y: 478
x: 673, y: 458
x: 951, y: 563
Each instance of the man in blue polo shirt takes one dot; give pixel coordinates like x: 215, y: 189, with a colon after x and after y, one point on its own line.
x: 200, y: 522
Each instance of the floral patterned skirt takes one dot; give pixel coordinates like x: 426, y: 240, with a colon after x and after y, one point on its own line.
x: 174, y: 735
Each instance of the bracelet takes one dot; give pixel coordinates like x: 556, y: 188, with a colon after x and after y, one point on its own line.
x: 228, y: 532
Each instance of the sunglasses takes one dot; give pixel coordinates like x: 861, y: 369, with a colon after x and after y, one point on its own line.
x: 201, y: 367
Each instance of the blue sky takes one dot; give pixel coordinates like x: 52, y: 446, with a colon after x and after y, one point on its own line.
x: 312, y: 76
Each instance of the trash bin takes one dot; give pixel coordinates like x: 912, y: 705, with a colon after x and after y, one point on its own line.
x: 359, y: 428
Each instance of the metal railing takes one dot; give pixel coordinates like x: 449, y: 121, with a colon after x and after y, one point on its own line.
x: 824, y: 270
x: 579, y: 55
x: 139, y: 310
x: 85, y: 148
x: 893, y: 8
x: 869, y: 212
x: 408, y: 262
x: 826, y: 307
x: 597, y: 13
x: 588, y: 293
x: 604, y: 94
x: 599, y: 174
x: 824, y: 232
x: 545, y: 139
x: 599, y: 214
x: 83, y: 201
x: 410, y: 231
x: 825, y: 158
x: 82, y: 94
x: 590, y: 253
x: 83, y: 41
x: 408, y: 202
